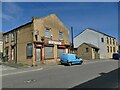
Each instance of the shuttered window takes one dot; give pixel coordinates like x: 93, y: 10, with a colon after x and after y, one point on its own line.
x: 29, y: 50
x: 60, y: 51
x: 49, y: 52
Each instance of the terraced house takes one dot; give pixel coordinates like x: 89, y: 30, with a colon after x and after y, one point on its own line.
x: 93, y: 44
x: 40, y: 41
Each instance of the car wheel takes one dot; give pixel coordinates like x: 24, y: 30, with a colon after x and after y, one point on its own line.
x: 81, y: 62
x: 70, y: 64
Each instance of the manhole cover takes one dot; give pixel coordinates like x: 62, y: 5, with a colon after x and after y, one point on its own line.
x: 30, y: 81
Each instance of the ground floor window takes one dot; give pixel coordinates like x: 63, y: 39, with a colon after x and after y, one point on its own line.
x: 5, y: 53
x: 60, y: 51
x: 29, y: 50
x: 49, y: 52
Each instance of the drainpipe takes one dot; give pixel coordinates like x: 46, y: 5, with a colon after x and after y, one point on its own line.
x: 72, y: 47
x: 16, y: 48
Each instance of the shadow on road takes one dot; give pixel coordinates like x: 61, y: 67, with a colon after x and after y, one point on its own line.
x: 106, y: 80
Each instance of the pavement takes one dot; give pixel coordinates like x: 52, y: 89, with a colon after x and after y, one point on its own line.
x: 8, y: 69
x: 95, y: 74
x: 13, y: 68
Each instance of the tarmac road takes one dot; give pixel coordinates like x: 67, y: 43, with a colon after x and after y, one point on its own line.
x: 99, y: 74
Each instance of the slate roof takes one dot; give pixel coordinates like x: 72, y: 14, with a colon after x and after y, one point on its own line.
x: 26, y: 24
x: 91, y: 45
x: 95, y: 31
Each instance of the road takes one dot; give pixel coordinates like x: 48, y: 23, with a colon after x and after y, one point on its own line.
x: 100, y: 74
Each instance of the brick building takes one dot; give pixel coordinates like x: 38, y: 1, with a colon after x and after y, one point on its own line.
x: 88, y: 51
x: 40, y: 41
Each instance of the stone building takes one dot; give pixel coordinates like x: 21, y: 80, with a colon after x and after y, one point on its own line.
x: 42, y: 40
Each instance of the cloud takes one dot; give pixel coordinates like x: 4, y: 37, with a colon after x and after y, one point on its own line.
x: 6, y: 17
x: 11, y: 11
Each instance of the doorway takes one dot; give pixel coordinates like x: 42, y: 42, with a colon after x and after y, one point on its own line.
x: 13, y: 54
x: 38, y: 55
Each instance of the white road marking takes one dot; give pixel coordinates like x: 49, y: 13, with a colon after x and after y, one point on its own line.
x: 22, y: 72
x: 89, y: 62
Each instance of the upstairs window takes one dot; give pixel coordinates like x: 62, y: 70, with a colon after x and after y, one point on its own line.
x: 36, y: 33
x: 47, y: 33
x: 61, y: 35
x: 113, y: 41
x: 110, y: 41
x: 12, y: 36
x: 86, y: 50
x: 102, y: 39
x: 116, y: 43
x: 6, y: 38
x: 107, y: 40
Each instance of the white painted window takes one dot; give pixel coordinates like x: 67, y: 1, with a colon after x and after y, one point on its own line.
x: 47, y: 33
x: 61, y: 35
x: 12, y: 36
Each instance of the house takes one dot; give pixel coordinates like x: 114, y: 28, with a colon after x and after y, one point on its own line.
x: 88, y: 51
x: 42, y: 40
x: 1, y: 45
x: 107, y: 44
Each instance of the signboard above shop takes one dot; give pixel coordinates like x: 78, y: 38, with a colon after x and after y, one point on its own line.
x: 55, y: 42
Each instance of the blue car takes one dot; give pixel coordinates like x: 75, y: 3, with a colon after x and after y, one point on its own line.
x: 70, y: 59
x: 116, y: 56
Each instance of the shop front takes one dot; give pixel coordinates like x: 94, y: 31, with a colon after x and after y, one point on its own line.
x: 49, y: 51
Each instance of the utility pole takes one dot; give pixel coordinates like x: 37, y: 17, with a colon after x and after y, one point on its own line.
x: 72, y: 47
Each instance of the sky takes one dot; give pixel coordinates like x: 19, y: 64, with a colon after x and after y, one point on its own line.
x: 101, y: 16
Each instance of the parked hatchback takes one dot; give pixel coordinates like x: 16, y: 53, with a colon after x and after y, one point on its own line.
x: 116, y: 56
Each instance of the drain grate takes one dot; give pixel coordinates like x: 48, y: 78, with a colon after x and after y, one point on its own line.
x: 30, y: 81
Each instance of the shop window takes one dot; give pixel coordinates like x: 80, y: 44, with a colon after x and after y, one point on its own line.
x: 61, y: 35
x: 48, y: 52
x: 60, y: 51
x: 29, y: 50
x: 102, y: 39
x: 47, y: 33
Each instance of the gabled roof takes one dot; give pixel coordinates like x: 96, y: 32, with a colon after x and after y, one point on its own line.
x: 18, y: 27
x: 27, y: 23
x: 95, y: 31
x: 91, y: 45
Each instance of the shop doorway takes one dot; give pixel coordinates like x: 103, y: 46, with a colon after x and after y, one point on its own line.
x: 38, y: 55
x: 60, y: 52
